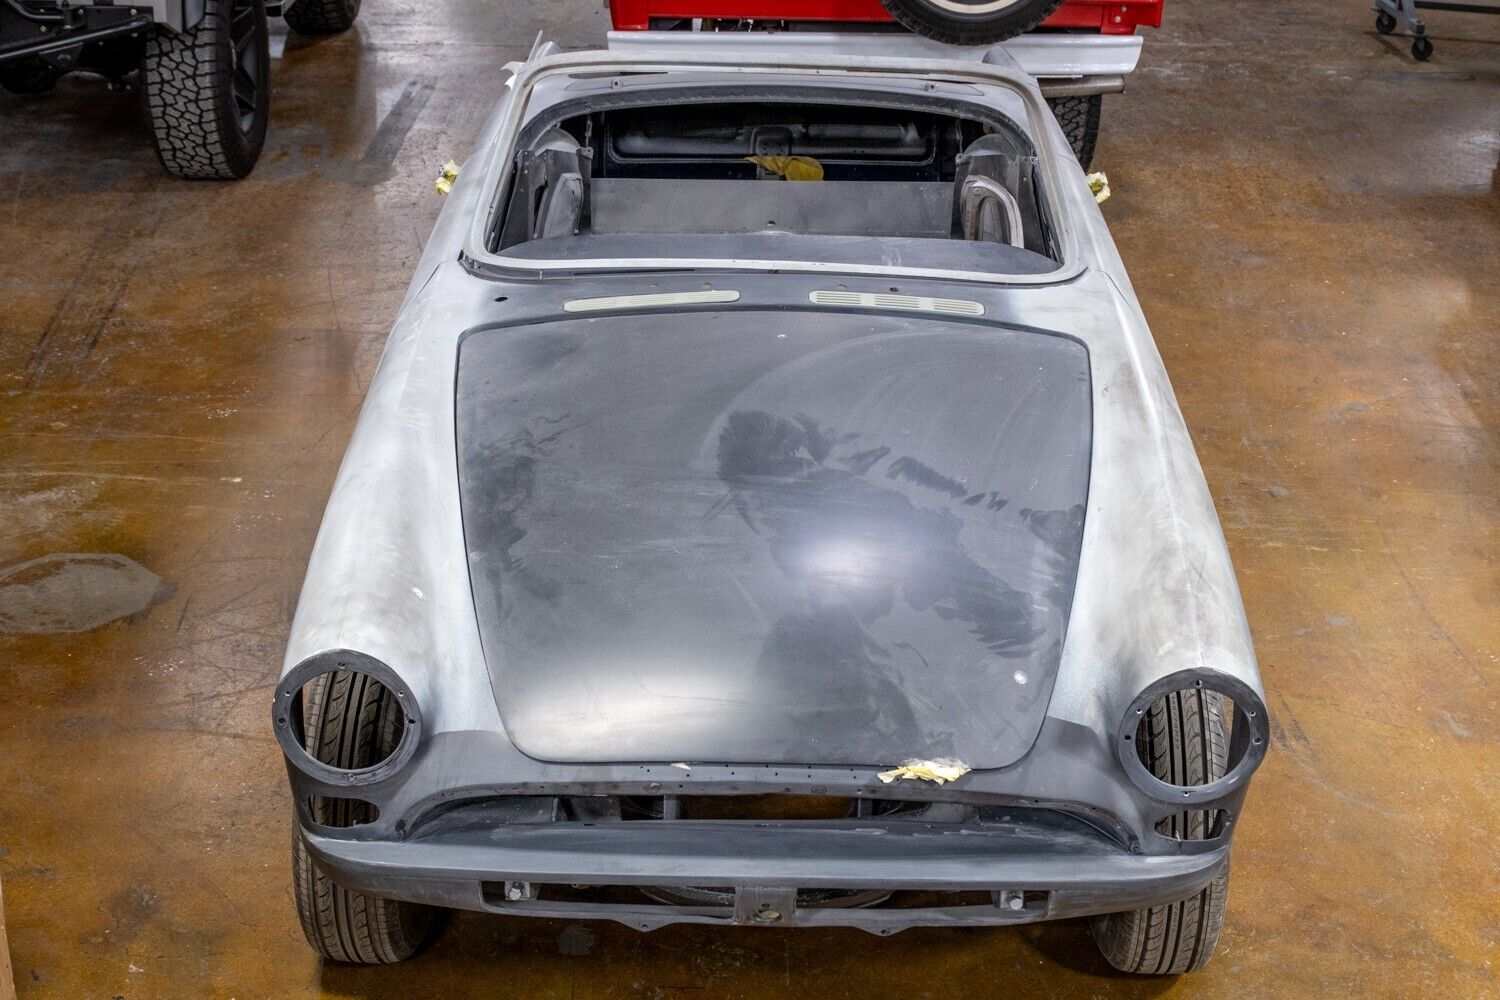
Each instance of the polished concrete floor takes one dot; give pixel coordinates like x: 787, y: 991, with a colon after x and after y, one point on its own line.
x: 1313, y: 224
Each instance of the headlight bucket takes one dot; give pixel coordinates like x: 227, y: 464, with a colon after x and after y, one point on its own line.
x: 287, y: 717
x: 1249, y: 736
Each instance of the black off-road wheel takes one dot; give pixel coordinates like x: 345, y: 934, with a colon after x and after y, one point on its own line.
x: 208, y: 91
x: 321, y: 17
x: 352, y: 721
x: 28, y: 77
x: 970, y: 22
x: 1182, y: 742
x: 1079, y: 118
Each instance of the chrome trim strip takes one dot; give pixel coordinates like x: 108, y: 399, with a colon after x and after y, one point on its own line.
x: 648, y: 300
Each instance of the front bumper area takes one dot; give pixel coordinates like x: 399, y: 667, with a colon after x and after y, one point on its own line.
x: 1009, y: 869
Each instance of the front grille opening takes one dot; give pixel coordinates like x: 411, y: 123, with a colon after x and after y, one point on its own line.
x: 756, y: 808
x: 490, y: 813
x: 765, y: 807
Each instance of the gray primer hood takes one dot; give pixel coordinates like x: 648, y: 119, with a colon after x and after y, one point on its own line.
x: 772, y: 537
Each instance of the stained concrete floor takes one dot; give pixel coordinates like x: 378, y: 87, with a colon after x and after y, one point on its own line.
x: 1313, y: 223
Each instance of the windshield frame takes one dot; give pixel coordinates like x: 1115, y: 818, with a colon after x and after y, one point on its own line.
x: 959, y: 83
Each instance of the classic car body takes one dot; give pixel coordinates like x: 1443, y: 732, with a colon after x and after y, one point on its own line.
x: 686, y: 500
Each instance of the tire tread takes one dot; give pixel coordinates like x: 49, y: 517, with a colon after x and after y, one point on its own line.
x: 1184, y: 744
x: 917, y: 16
x: 1080, y: 118
x: 321, y: 17
x: 351, y: 721
x: 187, y: 80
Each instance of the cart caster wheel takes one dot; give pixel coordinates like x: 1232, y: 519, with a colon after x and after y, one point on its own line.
x: 1421, y: 49
x: 1385, y: 23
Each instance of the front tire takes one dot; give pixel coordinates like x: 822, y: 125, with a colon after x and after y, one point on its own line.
x: 970, y: 22
x: 321, y: 17
x: 351, y: 721
x: 208, y: 91
x: 1183, y: 743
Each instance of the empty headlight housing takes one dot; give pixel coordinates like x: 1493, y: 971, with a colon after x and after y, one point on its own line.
x: 379, y: 723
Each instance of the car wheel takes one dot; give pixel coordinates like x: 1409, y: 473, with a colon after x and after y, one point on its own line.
x: 1183, y: 743
x: 28, y: 76
x: 970, y: 22
x: 1079, y: 118
x: 321, y: 17
x: 208, y: 91
x: 349, y: 721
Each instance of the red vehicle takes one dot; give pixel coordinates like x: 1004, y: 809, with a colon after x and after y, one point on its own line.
x: 981, y: 25
x: 1079, y: 50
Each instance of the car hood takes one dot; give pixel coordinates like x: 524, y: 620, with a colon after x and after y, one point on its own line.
x: 818, y: 538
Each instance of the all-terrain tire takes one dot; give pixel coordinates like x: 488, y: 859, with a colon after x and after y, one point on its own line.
x: 1184, y: 744
x: 970, y: 22
x: 1079, y: 118
x: 208, y: 91
x: 352, y: 721
x: 321, y: 17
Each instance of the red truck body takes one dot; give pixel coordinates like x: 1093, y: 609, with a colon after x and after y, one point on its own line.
x: 1119, y: 17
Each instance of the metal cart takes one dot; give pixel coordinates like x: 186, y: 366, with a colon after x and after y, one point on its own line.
x: 1391, y: 13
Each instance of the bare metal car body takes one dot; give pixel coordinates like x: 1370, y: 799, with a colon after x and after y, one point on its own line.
x: 635, y: 520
